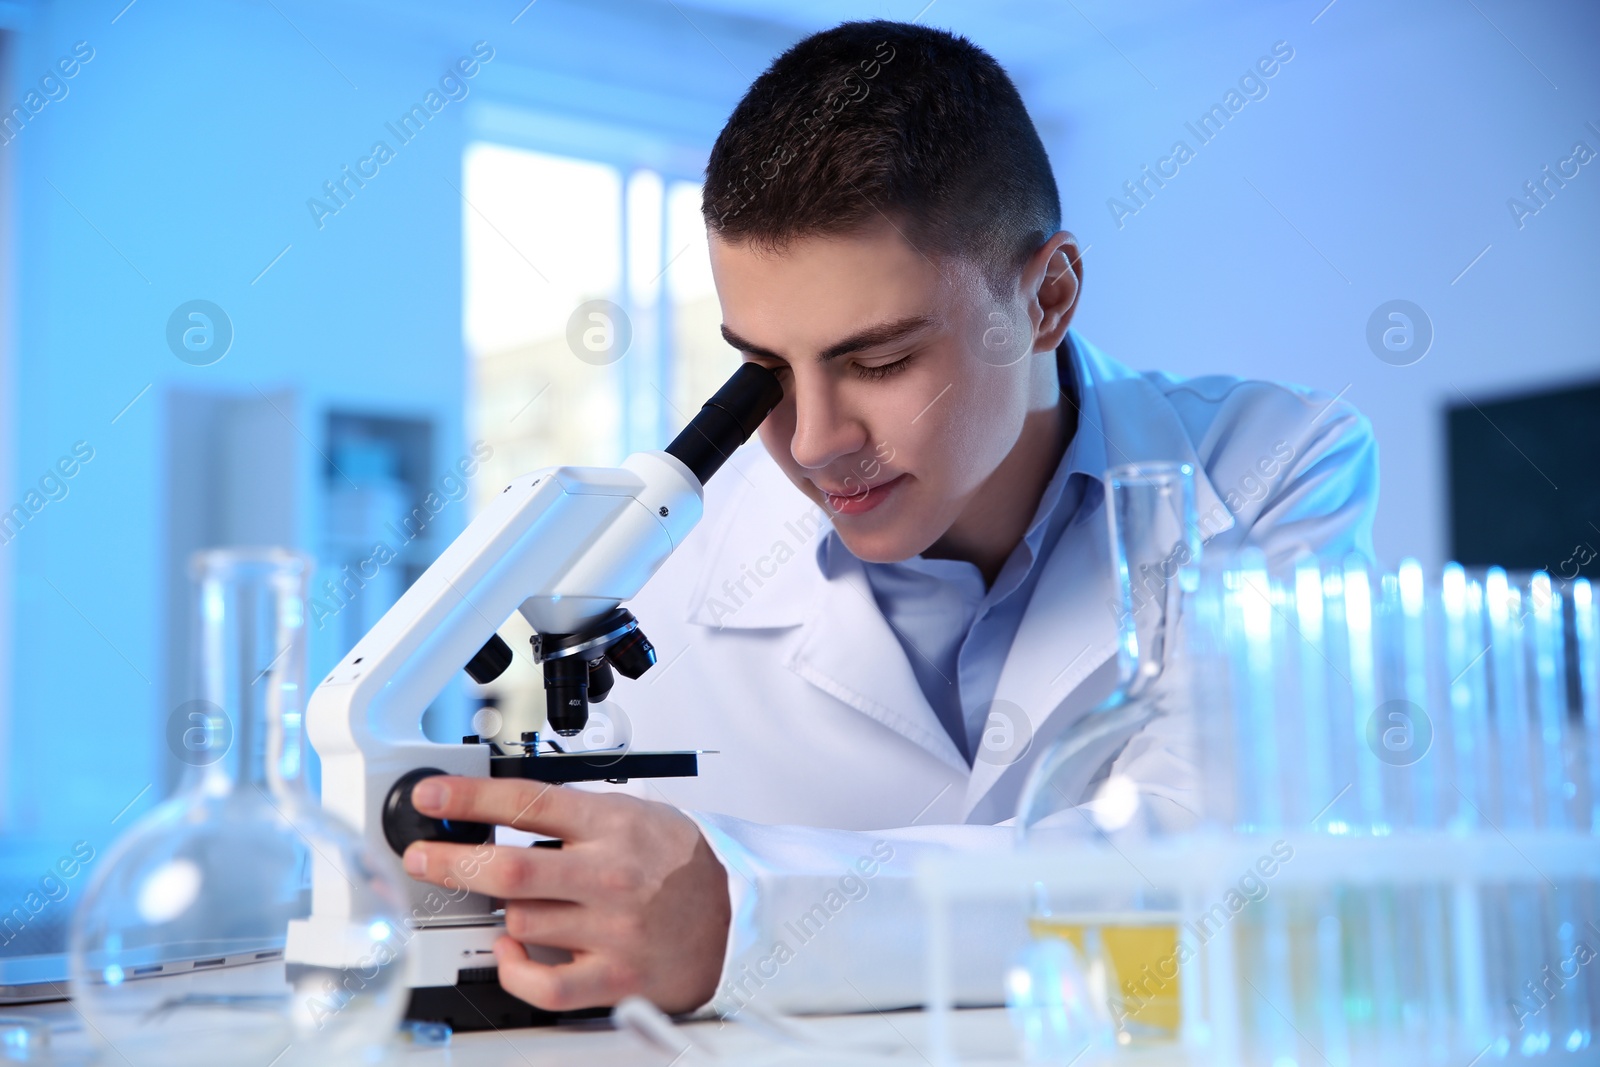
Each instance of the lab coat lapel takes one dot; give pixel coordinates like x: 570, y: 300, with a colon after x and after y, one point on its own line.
x: 1068, y: 631
x: 848, y: 650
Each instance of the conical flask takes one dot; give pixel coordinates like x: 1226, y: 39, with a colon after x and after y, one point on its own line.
x: 1156, y: 545
x: 176, y: 950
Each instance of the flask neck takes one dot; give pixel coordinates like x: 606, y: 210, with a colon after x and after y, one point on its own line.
x: 1155, y: 542
x: 1156, y: 539
x: 252, y: 665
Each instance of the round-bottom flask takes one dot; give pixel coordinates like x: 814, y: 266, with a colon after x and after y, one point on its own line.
x: 177, y: 949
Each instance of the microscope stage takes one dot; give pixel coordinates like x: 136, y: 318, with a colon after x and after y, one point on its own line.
x: 559, y: 767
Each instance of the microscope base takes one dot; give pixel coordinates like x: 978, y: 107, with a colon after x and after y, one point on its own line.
x: 476, y: 1002
x: 468, y: 998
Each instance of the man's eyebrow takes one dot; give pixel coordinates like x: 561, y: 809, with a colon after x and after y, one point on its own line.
x: 748, y: 346
x: 872, y: 337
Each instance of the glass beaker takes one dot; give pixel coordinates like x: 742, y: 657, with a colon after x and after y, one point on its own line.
x: 177, y: 950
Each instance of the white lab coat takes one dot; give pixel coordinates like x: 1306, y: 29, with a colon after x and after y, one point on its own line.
x: 830, y: 775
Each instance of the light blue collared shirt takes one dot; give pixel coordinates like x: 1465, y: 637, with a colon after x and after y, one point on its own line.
x: 956, y: 633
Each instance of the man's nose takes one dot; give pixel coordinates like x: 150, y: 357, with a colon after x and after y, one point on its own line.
x: 824, y: 428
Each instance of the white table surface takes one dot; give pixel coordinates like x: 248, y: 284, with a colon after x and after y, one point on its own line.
x: 982, y: 1036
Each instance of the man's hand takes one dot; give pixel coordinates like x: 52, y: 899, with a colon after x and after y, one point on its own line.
x: 634, y: 893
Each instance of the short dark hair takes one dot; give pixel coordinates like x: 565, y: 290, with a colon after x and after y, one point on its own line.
x: 888, y: 120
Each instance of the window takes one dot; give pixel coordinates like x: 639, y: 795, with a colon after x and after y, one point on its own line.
x: 590, y: 316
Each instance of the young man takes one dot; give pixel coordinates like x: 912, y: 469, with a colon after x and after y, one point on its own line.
x: 905, y: 592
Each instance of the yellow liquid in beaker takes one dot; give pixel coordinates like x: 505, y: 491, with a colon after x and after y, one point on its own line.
x: 1142, y: 950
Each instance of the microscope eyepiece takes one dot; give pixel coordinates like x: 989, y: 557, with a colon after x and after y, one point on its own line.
x: 727, y: 420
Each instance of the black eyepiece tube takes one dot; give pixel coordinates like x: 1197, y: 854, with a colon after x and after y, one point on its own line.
x: 727, y: 420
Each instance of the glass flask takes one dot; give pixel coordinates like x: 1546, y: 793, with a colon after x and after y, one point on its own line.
x: 177, y: 949
x: 1155, y: 538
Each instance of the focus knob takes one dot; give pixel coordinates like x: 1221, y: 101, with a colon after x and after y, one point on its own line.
x: 403, y: 823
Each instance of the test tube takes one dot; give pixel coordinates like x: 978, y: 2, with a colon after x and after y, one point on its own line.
x: 1363, y: 677
x: 1250, y: 645
x: 1317, y: 681
x: 1461, y: 601
x: 1547, y: 675
x: 1314, y: 675
x: 1466, y: 663
x: 1586, y: 642
x: 1340, y: 809
x: 1586, y: 649
x: 1380, y: 902
x: 1546, y: 652
x: 1522, y: 916
x: 1432, y: 943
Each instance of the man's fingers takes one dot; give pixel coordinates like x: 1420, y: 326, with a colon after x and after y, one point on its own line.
x: 535, y: 806
x: 510, y: 872
x: 554, y: 923
x: 589, y: 981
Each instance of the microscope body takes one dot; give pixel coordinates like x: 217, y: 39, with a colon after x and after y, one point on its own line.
x: 565, y: 547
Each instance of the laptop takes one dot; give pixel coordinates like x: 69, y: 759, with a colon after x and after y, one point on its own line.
x: 36, y: 904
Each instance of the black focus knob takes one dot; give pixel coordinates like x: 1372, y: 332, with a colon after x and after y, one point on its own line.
x: 490, y: 661
x: 403, y: 823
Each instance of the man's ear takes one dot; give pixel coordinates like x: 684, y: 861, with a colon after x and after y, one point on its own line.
x: 1051, y: 282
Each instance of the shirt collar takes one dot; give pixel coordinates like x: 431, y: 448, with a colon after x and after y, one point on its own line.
x: 1086, y: 453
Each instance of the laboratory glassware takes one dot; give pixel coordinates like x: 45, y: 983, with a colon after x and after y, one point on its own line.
x: 1386, y: 729
x: 177, y: 949
x: 1123, y: 938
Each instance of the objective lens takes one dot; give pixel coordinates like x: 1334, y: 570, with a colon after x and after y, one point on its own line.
x: 566, y: 694
x: 600, y: 680
x: 633, y: 654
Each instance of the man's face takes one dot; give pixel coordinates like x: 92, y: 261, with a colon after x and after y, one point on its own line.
x: 905, y: 381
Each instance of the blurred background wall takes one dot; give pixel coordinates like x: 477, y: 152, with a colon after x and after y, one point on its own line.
x: 233, y: 320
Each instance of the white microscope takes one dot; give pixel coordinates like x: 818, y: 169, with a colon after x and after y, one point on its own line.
x: 565, y: 546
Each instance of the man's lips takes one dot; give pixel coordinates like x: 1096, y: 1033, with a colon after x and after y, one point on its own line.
x: 861, y: 499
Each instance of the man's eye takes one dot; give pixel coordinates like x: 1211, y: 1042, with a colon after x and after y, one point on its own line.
x: 883, y: 370
x: 780, y: 369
